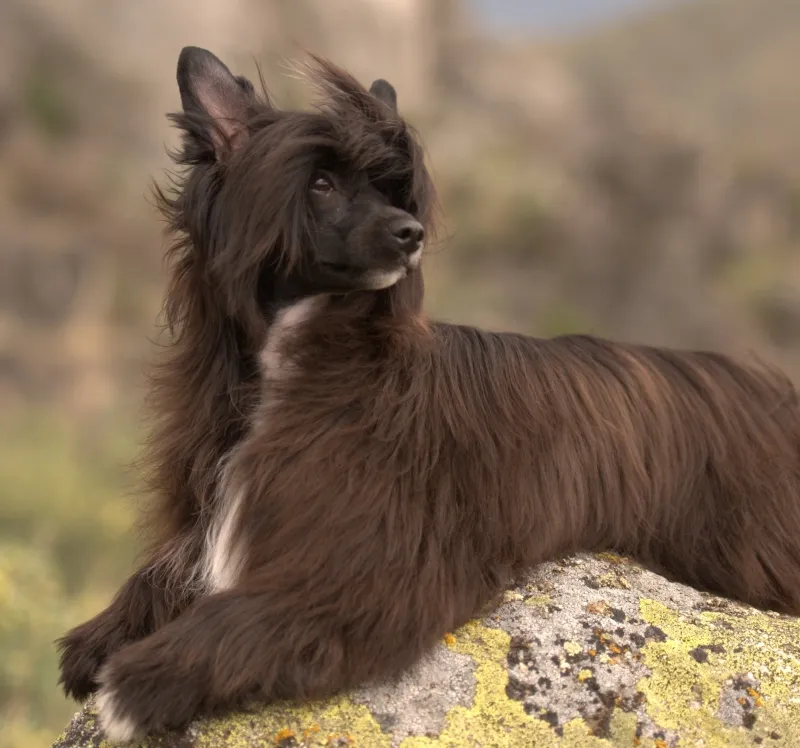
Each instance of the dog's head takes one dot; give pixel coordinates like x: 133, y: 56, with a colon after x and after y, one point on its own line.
x: 335, y: 199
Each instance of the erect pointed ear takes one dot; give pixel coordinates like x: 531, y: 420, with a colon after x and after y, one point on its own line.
x: 384, y: 91
x: 208, y: 87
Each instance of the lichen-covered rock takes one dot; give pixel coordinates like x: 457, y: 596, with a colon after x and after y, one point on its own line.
x: 591, y: 651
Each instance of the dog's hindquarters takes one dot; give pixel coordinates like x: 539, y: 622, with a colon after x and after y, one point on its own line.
x: 687, y: 461
x: 724, y: 467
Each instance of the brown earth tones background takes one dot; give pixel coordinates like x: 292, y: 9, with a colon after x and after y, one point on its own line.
x: 639, y: 179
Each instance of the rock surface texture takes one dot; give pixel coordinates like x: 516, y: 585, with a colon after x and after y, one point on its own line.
x: 590, y: 651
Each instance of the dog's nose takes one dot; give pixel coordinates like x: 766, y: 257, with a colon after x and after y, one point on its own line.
x: 408, y: 233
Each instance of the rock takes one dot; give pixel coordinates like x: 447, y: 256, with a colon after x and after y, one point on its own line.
x: 589, y: 651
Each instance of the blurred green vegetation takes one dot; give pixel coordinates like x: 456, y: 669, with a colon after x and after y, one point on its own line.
x: 65, y: 545
x: 47, y: 106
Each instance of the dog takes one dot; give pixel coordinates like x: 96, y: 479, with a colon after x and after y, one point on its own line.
x: 339, y: 480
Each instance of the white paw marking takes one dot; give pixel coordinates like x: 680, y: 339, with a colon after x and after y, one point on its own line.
x: 116, y: 726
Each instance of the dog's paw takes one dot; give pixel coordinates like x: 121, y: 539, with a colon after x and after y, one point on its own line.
x: 114, y: 723
x: 83, y: 652
x: 142, y: 692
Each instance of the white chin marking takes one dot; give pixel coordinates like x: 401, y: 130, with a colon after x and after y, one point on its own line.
x: 414, y: 258
x: 115, y: 726
x: 379, y: 279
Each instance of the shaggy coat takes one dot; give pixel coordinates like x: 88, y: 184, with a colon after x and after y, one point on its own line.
x: 340, y: 480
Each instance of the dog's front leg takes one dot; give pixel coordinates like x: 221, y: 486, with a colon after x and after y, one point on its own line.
x: 225, y: 648
x: 151, y: 597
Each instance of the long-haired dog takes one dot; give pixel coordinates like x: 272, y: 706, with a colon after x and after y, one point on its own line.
x: 340, y: 480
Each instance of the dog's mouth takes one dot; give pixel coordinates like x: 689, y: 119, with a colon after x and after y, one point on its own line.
x: 412, y: 262
x: 339, y: 268
x: 377, y: 280
x: 351, y: 277
x: 401, y: 269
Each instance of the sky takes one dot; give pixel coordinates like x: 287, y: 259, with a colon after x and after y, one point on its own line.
x: 555, y: 15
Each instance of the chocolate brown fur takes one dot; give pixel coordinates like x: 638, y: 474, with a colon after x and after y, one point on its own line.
x: 393, y: 474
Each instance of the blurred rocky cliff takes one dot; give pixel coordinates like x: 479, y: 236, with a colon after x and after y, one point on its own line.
x: 632, y: 182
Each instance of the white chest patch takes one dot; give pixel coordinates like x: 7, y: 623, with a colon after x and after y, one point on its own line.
x: 287, y: 322
x: 223, y: 556
x: 224, y: 553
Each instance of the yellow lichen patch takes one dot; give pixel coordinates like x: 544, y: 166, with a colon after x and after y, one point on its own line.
x: 622, y: 728
x: 449, y: 640
x: 573, y: 648
x: 578, y: 735
x: 320, y: 724
x: 493, y: 718
x: 538, y: 601
x: 584, y: 675
x: 613, y: 580
x: 612, y: 558
x: 684, y: 695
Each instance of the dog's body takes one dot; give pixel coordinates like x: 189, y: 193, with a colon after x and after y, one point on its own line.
x: 342, y: 481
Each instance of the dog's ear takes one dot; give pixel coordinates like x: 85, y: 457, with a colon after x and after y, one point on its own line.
x: 384, y: 91
x: 208, y: 87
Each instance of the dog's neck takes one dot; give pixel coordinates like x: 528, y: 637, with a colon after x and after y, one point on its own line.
x: 277, y: 294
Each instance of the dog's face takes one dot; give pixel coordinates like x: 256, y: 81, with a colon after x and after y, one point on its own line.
x: 332, y: 200
x: 364, y: 239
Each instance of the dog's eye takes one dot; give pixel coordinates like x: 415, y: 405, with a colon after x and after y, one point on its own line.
x: 322, y: 184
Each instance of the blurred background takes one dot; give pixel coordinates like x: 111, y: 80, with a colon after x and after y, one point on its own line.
x: 629, y: 168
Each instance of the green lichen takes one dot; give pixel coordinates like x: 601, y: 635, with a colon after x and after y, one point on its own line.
x: 684, y: 695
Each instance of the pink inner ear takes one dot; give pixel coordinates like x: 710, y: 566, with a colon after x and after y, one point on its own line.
x: 224, y: 102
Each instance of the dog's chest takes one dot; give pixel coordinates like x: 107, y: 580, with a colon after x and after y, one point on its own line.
x: 225, y: 552
x: 288, y: 322
x: 224, y: 546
